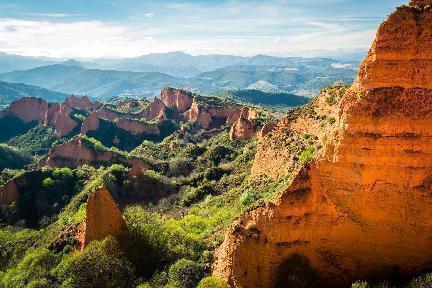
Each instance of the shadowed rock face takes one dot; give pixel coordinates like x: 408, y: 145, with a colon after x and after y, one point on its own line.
x: 363, y: 209
x: 103, y: 217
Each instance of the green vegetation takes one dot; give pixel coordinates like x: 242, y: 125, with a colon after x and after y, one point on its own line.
x: 12, y: 126
x: 266, y: 99
x: 212, y: 282
x: 101, y: 264
x: 37, y: 141
x: 13, y: 158
x: 46, y: 193
x: 307, y: 155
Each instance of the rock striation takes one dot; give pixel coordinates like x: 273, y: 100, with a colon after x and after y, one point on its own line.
x: 103, y: 217
x: 363, y: 208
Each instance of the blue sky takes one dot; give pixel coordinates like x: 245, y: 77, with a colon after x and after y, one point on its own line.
x: 128, y: 28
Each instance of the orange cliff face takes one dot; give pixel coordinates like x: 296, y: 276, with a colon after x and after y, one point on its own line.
x: 103, y: 217
x: 363, y: 208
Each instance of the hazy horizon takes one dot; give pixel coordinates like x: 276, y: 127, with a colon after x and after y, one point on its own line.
x: 130, y: 28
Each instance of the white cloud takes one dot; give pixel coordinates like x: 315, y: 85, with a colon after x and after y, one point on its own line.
x: 149, y: 15
x: 90, y: 39
x: 75, y: 39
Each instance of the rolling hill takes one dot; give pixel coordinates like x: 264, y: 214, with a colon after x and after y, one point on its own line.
x: 10, y: 92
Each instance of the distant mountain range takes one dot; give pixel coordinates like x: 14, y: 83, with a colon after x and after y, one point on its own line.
x: 145, y: 76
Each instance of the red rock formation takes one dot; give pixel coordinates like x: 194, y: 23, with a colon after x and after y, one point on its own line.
x: 244, y: 127
x: 137, y: 127
x: 156, y: 110
x: 9, y: 191
x: 103, y: 217
x: 59, y: 116
x: 172, y: 97
x: 33, y: 109
x: 108, y: 114
x: 364, y: 207
x: 212, y: 116
x: 28, y: 109
x: 82, y: 103
x: 75, y: 153
x: 91, y: 123
x: 196, y: 113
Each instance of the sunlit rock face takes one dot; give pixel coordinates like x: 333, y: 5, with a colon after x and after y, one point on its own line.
x: 363, y: 208
x: 103, y: 217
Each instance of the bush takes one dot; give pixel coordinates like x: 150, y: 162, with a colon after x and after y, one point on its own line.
x: 185, y: 274
x: 212, y: 282
x: 307, y: 155
x: 248, y: 197
x: 101, y: 264
x: 33, y: 269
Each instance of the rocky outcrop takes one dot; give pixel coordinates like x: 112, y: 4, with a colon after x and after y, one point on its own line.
x: 244, y: 127
x: 196, y: 113
x: 10, y: 191
x: 363, y: 209
x: 180, y: 99
x: 33, y: 109
x: 108, y: 114
x: 103, y: 217
x: 408, y: 66
x: 208, y: 116
x: 137, y: 127
x: 282, y: 142
x: 82, y: 103
x: 156, y: 110
x: 58, y: 115
x: 76, y: 153
x: 91, y: 123
x: 27, y: 109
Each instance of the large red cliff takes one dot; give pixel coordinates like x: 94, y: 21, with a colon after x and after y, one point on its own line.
x: 363, y: 208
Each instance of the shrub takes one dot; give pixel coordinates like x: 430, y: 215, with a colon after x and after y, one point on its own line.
x: 101, y: 264
x: 185, y: 274
x: 34, y: 269
x: 248, y: 197
x: 307, y: 155
x: 212, y: 282
x: 48, y: 182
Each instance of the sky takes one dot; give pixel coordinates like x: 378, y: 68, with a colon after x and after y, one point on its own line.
x: 129, y: 28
